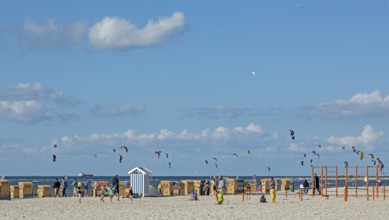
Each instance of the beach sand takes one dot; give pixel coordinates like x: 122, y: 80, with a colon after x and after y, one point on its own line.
x: 181, y: 207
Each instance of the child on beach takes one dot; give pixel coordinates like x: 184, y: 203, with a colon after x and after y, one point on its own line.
x: 103, y: 193
x: 194, y: 196
x: 110, y: 193
x: 79, y: 194
x: 220, y: 198
x: 131, y: 193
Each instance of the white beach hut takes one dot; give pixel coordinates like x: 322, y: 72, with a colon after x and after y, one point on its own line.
x: 140, y: 180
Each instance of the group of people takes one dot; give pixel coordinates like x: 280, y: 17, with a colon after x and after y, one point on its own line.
x: 57, y: 186
x: 316, y: 188
x: 111, y: 190
x: 218, y: 187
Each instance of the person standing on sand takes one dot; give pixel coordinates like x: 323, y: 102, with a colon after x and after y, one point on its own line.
x: 317, y: 184
x: 79, y: 194
x: 272, y: 186
x: 206, y: 187
x: 115, y: 186
x: 64, y: 186
x: 75, y: 185
x: 56, y: 187
x: 222, y: 185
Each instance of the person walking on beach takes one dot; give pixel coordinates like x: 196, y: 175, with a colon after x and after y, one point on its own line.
x: 221, y: 185
x: 206, y: 187
x: 56, y: 187
x: 115, y: 185
x: 79, y: 194
x: 306, y: 187
x: 317, y: 184
x: 64, y: 186
x: 214, y: 182
x: 272, y: 187
x: 75, y: 185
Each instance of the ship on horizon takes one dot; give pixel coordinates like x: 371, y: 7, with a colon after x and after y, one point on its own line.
x: 84, y: 175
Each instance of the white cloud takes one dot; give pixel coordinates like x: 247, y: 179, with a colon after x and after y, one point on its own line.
x: 367, y: 139
x: 360, y: 105
x: 121, y: 110
x: 113, y: 33
x: 28, y: 103
x: 217, y: 111
x: 34, y: 91
x: 25, y: 112
x: 251, y: 128
x: 50, y: 34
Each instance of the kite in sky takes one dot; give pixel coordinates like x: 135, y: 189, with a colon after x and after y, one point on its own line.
x: 170, y: 165
x: 215, y: 165
x: 302, y: 163
x: 158, y: 153
x: 125, y: 148
x: 354, y: 150
x: 345, y: 164
x: 381, y: 165
x: 95, y: 155
x: 215, y: 159
x: 292, y: 134
x: 234, y: 154
x: 248, y: 151
x: 120, y: 158
x: 361, y: 155
x: 206, y: 162
x: 167, y: 155
x: 55, y: 146
x: 268, y: 169
x: 54, y: 157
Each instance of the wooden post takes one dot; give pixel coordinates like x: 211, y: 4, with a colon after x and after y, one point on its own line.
x: 376, y: 180
x: 383, y: 191
x: 346, y: 186
x: 312, y: 180
x: 300, y: 195
x: 356, y: 181
x: 367, y: 183
x: 373, y: 193
x: 336, y: 181
x: 322, y: 175
x: 326, y: 182
x: 243, y: 196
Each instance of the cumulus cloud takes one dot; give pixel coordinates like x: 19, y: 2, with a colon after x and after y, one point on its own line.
x: 367, y: 139
x: 113, y: 33
x: 25, y: 112
x: 167, y: 135
x: 27, y: 103
x: 360, y: 105
x: 121, y: 110
x: 215, y: 112
x: 50, y: 34
x: 34, y: 91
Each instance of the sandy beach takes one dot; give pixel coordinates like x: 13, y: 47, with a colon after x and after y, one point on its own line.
x: 180, y: 207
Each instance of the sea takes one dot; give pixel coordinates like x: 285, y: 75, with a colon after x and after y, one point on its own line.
x: 296, y: 181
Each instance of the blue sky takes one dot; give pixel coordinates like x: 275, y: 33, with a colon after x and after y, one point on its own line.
x: 176, y: 76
